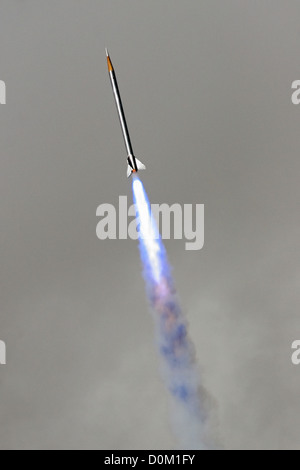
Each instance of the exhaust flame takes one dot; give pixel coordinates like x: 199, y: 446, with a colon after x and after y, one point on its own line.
x: 190, y: 412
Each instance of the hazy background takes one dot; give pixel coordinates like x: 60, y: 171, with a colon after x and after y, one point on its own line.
x: 206, y: 87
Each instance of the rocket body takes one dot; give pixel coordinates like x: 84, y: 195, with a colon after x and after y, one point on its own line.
x: 134, y: 165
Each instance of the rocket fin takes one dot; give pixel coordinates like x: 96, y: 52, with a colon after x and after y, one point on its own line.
x: 129, y: 170
x: 140, y: 165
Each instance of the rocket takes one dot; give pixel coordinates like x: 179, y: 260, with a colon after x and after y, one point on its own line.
x: 134, y: 165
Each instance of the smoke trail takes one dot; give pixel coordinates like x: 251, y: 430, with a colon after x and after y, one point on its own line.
x: 190, y: 401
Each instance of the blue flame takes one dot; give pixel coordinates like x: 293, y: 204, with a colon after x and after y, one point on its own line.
x: 149, y: 237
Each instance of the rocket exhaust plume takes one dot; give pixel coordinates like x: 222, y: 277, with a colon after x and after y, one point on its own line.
x: 190, y: 402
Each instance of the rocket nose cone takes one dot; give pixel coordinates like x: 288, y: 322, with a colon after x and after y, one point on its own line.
x: 109, y: 64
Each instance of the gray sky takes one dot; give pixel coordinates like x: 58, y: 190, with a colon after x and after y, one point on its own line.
x: 206, y: 87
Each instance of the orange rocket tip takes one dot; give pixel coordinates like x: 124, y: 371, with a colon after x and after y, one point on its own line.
x: 109, y: 64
